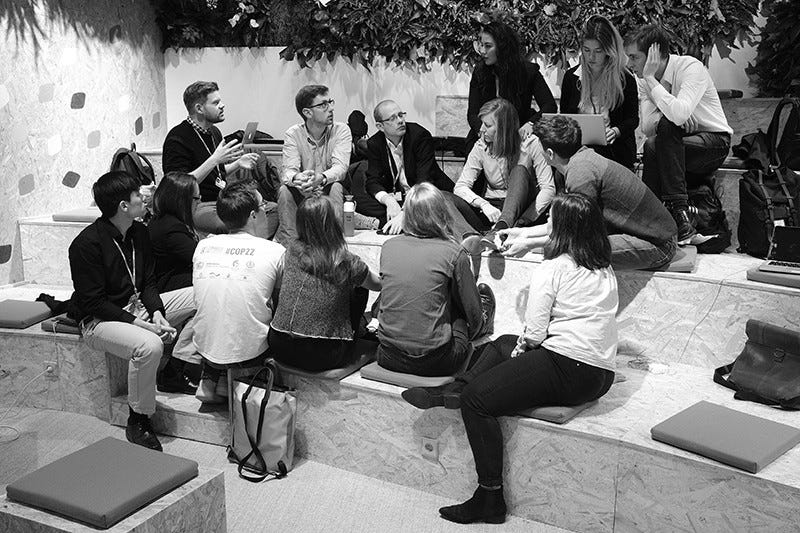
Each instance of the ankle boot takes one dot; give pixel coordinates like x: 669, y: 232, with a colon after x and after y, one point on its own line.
x: 486, y: 505
x: 448, y: 396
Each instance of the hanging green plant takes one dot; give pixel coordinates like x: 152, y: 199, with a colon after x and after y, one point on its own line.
x: 776, y: 68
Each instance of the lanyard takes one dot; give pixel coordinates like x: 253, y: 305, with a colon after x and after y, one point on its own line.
x: 394, y: 169
x: 210, y: 152
x: 131, y: 272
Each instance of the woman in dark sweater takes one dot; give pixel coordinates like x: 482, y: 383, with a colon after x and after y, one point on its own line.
x: 323, y: 295
x: 601, y: 84
x: 172, y: 230
x: 505, y: 73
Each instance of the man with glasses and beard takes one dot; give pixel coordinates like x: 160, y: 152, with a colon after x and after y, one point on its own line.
x: 316, y: 155
x: 400, y: 155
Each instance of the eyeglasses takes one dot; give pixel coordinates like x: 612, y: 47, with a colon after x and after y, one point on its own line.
x: 263, y: 205
x: 197, y: 198
x: 400, y: 115
x: 324, y: 105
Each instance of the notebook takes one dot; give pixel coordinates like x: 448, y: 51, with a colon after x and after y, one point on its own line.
x: 593, y: 127
x: 726, y: 435
x: 784, y: 251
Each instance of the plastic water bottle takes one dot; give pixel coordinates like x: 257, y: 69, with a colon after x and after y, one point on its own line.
x: 349, y: 208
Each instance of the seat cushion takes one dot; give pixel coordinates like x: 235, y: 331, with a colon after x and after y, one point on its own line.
x: 684, y: 260
x: 556, y: 414
x: 378, y: 373
x: 102, y: 483
x: 19, y: 314
x: 61, y: 324
x: 364, y: 353
x: 81, y: 214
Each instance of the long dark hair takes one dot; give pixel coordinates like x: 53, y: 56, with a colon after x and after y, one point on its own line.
x: 510, y: 66
x: 578, y: 230
x: 174, y: 196
x: 320, y: 244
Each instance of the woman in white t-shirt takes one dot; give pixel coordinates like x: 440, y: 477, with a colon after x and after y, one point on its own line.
x: 564, y: 356
x: 518, y: 180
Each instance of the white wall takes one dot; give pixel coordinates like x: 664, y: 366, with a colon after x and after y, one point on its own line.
x: 256, y: 85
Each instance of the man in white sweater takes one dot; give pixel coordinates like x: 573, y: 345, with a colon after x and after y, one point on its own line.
x: 688, y: 136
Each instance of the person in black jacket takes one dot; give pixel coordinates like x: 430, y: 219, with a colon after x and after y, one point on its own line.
x: 505, y: 73
x: 399, y: 156
x: 116, y: 300
x: 601, y: 84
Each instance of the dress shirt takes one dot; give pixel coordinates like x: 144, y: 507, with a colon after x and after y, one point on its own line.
x: 329, y: 155
x: 398, y: 168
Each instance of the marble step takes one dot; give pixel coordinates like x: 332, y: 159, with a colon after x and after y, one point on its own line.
x: 695, y: 318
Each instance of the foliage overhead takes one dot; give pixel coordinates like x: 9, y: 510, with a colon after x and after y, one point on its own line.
x: 777, y: 65
x: 415, y: 33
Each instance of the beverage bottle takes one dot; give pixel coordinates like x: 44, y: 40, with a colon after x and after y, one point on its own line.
x: 349, y: 208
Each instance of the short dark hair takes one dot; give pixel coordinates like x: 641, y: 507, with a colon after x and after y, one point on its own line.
x: 578, y: 230
x: 560, y: 134
x: 235, y: 203
x: 112, y: 188
x: 648, y: 35
x: 305, y: 97
x: 174, y: 196
x: 198, y: 92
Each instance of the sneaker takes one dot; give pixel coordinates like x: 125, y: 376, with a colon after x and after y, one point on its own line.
x: 140, y: 432
x: 488, y: 305
x: 685, y: 229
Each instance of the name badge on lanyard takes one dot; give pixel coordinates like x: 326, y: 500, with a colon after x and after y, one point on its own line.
x: 134, y: 305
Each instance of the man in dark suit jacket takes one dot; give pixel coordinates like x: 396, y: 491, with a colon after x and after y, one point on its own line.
x: 399, y: 156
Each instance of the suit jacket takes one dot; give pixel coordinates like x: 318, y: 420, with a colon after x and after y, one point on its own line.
x: 418, y: 159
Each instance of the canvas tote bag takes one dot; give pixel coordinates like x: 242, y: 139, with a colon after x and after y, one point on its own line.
x: 263, y: 425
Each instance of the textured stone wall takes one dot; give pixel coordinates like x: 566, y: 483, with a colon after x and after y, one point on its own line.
x: 78, y: 80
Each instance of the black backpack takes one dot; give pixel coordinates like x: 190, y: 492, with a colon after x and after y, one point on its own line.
x: 708, y: 218
x: 769, y: 192
x: 130, y: 161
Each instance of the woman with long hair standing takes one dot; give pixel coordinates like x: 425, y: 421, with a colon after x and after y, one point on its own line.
x: 564, y: 356
x: 430, y: 307
x: 519, y: 182
x: 505, y: 73
x: 323, y: 295
x: 601, y: 84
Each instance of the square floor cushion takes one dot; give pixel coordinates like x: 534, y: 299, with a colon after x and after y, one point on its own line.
x: 745, y: 441
x: 102, y: 483
x: 61, y: 324
x: 684, y: 260
x: 364, y: 352
x: 556, y: 414
x: 81, y: 214
x: 19, y: 314
x: 377, y: 373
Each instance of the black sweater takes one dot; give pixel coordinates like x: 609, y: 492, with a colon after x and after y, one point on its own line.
x: 173, y: 248
x: 184, y: 151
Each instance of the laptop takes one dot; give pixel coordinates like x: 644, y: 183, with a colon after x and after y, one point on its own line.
x: 249, y: 133
x: 593, y: 127
x: 784, y: 251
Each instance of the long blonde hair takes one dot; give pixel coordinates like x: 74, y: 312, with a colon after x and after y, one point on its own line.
x: 507, y: 140
x: 607, y: 86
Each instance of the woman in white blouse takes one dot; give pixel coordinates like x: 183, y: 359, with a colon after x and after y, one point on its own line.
x: 518, y: 181
x: 564, y: 356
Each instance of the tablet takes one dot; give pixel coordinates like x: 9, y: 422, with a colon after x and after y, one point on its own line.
x: 593, y: 127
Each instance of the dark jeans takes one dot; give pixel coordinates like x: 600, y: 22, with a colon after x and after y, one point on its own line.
x: 498, y: 385
x: 673, y: 158
x: 315, y: 354
x: 632, y: 253
x: 519, y: 203
x: 443, y: 361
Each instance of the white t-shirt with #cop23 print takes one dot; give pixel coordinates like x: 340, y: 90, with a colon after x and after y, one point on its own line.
x: 234, y: 277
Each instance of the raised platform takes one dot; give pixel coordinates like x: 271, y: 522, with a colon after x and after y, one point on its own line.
x: 197, y: 505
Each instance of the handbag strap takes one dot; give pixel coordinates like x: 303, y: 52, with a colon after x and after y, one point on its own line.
x: 260, y: 470
x: 719, y: 377
x: 792, y: 404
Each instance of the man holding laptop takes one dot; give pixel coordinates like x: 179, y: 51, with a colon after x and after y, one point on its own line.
x: 688, y: 136
x: 196, y: 146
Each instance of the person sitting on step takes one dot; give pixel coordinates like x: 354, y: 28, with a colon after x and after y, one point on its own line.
x: 519, y: 182
x: 564, y: 356
x: 116, y: 299
x: 430, y: 307
x: 688, y: 136
x: 642, y: 232
x: 324, y: 291
x: 236, y: 276
x: 174, y: 240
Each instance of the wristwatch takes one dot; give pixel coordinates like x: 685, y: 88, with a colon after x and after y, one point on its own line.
x: 324, y: 180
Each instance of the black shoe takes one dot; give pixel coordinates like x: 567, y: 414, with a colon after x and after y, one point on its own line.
x: 447, y: 396
x: 488, y: 306
x: 485, y: 506
x: 139, y: 431
x: 685, y: 229
x: 175, y: 383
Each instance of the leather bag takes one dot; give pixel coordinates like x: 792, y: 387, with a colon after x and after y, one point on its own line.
x: 768, y: 369
x: 263, y: 425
